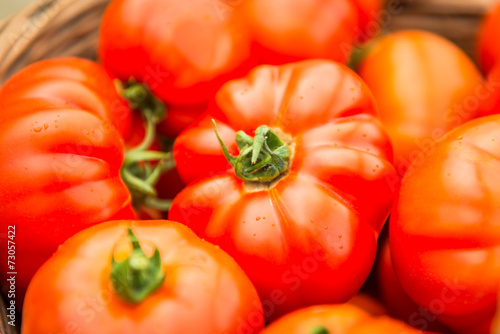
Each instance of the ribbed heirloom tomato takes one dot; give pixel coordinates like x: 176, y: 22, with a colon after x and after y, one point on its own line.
x: 429, y: 87
x: 445, y: 228
x: 149, y: 277
x: 301, y: 206
x: 62, y: 130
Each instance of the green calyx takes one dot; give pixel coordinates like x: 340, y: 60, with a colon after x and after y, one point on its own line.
x: 262, y: 158
x: 138, y: 276
x: 319, y: 330
x: 142, y: 168
x: 140, y: 97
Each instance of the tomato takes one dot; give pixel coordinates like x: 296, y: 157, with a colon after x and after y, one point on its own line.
x: 489, y: 48
x: 93, y: 284
x: 62, y: 130
x: 490, y: 105
x: 290, y: 30
x: 333, y: 319
x: 397, y: 300
x: 182, y: 50
x: 424, y: 86
x: 304, y: 223
x: 445, y: 228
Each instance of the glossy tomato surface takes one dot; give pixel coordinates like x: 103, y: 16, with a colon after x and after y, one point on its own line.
x: 310, y: 237
x: 60, y: 157
x: 445, y: 228
x: 204, y: 290
x: 489, y: 48
x: 424, y: 87
x: 183, y: 50
x: 77, y: 82
x: 337, y: 319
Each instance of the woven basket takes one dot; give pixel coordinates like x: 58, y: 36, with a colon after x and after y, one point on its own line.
x: 50, y: 28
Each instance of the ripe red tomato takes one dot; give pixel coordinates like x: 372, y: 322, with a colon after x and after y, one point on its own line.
x: 445, y: 228
x: 290, y: 30
x: 429, y: 86
x: 345, y: 319
x: 489, y: 48
x: 182, y: 50
x: 62, y: 131
x: 93, y: 284
x: 302, y: 221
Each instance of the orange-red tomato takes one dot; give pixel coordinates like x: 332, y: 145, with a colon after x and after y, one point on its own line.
x: 337, y: 319
x: 291, y: 30
x: 424, y: 86
x: 445, y: 228
x: 489, y: 48
x: 61, y: 150
x: 307, y: 234
x: 203, y: 290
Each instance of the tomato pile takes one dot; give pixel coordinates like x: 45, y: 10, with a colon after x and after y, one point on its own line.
x: 254, y: 166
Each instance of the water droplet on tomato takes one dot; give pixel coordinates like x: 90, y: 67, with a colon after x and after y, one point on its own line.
x: 37, y: 129
x: 257, y: 219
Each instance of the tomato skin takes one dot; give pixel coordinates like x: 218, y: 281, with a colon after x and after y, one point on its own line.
x: 423, y: 85
x: 60, y: 158
x: 369, y: 12
x: 183, y: 64
x: 489, y: 49
x: 318, y: 227
x: 60, y: 78
x: 447, y: 255
x: 285, y: 31
x: 397, y: 300
x: 202, y: 284
x: 491, y: 104
x: 341, y: 319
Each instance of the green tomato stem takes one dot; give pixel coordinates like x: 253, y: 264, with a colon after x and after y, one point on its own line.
x: 262, y: 158
x: 319, y: 330
x: 138, y: 276
x: 137, y: 172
